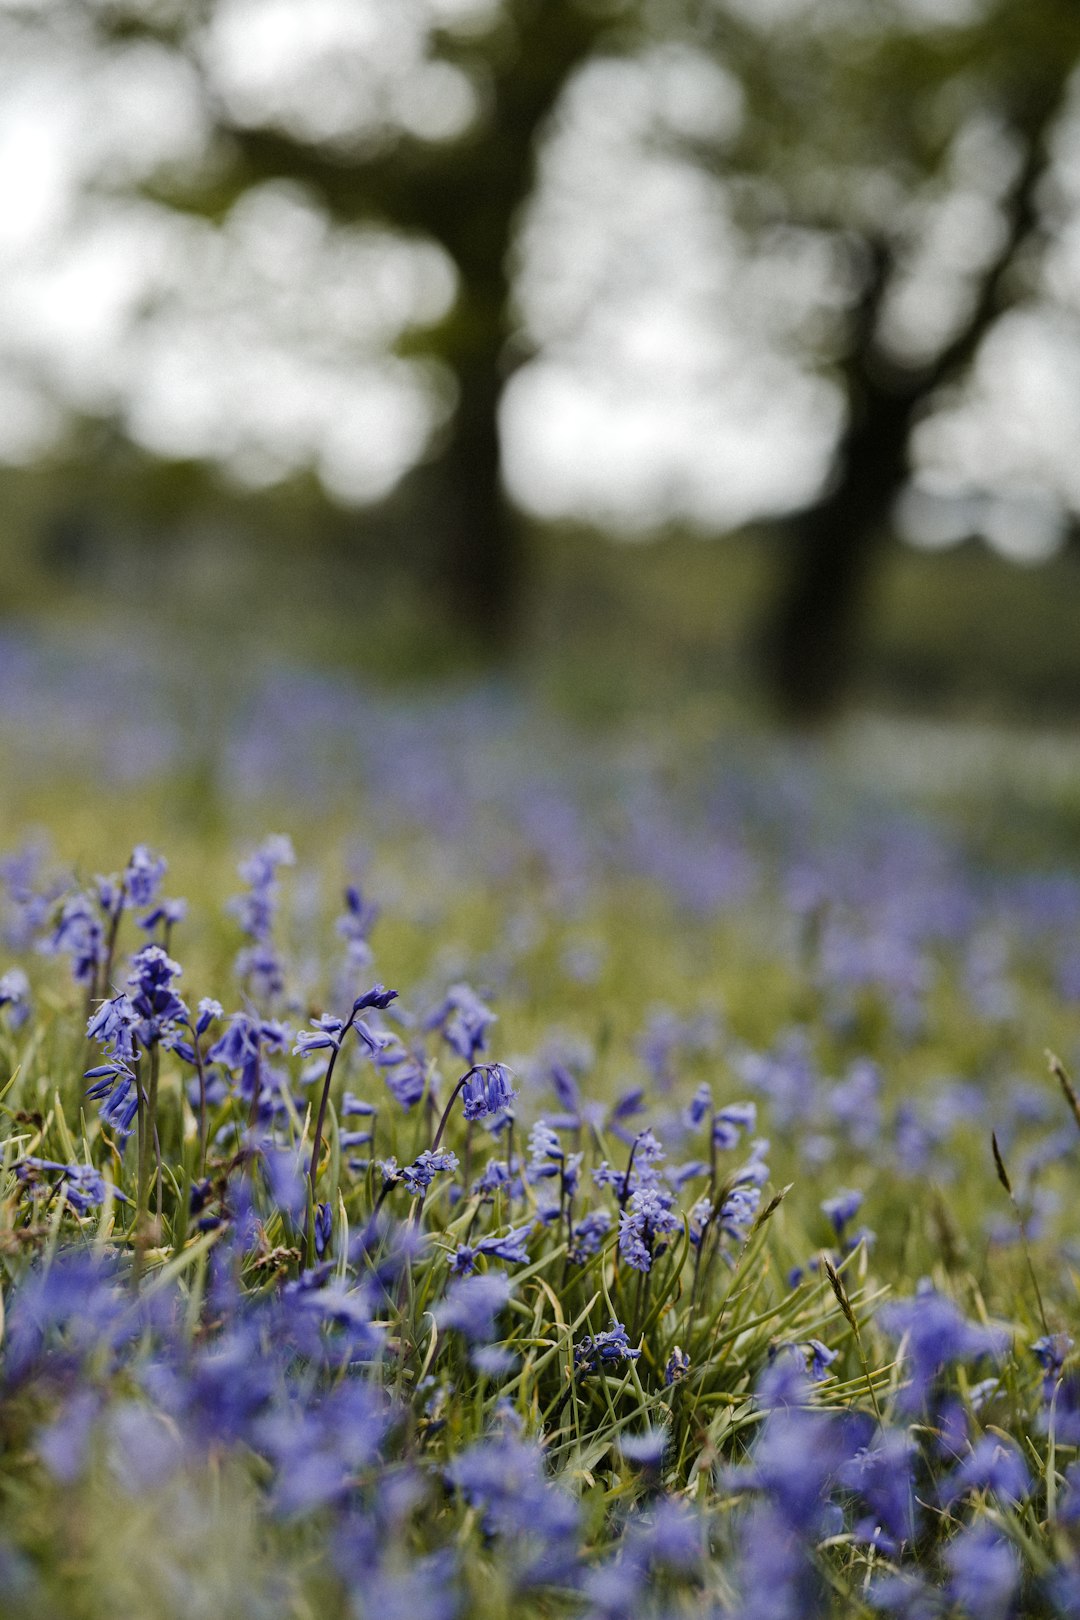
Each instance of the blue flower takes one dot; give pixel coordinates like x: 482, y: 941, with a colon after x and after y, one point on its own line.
x: 936, y: 1336
x: 649, y: 1216
x: 154, y: 1000
x: 678, y: 1365
x: 78, y: 933
x: 142, y: 875
x: 463, y: 1020
x: 419, y: 1175
x: 646, y: 1449
x: 604, y: 1348
x: 841, y: 1210
x: 992, y: 1464
x: 324, y: 1227
x: 486, y: 1090
x: 472, y: 1304
x: 325, y: 1037
x: 984, y: 1573
x: 588, y: 1235
x: 15, y: 994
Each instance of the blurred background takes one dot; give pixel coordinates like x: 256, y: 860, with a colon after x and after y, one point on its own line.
x: 634, y: 348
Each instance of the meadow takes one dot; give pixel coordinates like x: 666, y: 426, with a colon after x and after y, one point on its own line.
x: 460, y: 1163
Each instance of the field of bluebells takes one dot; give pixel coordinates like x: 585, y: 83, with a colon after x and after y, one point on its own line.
x: 525, y: 1175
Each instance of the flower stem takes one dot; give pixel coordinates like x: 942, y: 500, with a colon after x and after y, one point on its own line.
x: 446, y: 1111
x: 316, y: 1148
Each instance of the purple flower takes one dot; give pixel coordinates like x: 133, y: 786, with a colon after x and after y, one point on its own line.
x: 78, y: 933
x: 991, y: 1465
x: 114, y: 1025
x: 419, y: 1175
x: 1050, y: 1352
x: 142, y: 875
x: 984, y: 1573
x: 646, y: 1449
x: 240, y: 1047
x: 209, y: 1012
x: 487, y: 1090
x: 472, y: 1304
x: 881, y: 1473
x: 842, y: 1209
x: 678, y: 1365
x: 936, y: 1336
x: 463, y: 1020
x: 355, y: 925
x: 403, y: 1071
x: 589, y: 1234
x: 511, y: 1246
x: 325, y: 1037
x: 649, y: 1216
x: 154, y: 1000
x: 605, y: 1348
x: 504, y: 1477
x: 15, y: 994
x: 378, y: 996
x: 166, y: 912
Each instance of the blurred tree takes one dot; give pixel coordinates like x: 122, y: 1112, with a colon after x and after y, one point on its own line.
x: 862, y: 128
x: 463, y: 190
x: 865, y: 124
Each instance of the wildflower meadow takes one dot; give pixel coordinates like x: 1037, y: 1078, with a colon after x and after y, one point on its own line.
x: 456, y: 1166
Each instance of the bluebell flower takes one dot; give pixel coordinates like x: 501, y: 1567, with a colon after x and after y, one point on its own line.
x: 326, y: 1036
x: 700, y: 1104
x: 142, y: 875
x: 678, y: 1365
x: 504, y: 1478
x: 493, y: 1360
x: 545, y: 1151
x: 649, y: 1217
x: 936, y: 1336
x: 167, y: 913
x: 984, y: 1572
x: 738, y: 1212
x: 881, y: 1473
x: 646, y: 1449
x: 377, y: 997
x: 510, y: 1246
x: 261, y: 968
x: 114, y: 1025
x: 419, y: 1175
x: 604, y: 1349
x: 240, y: 1048
x: 84, y: 1185
x: 64, y: 1444
x: 472, y: 1304
x: 1050, y: 1352
x: 463, y: 1020
x: 821, y: 1359
x: 15, y: 995
x: 324, y: 1227
x: 403, y: 1071
x: 588, y: 1235
x: 353, y: 1107
x: 486, y: 1090
x: 78, y: 933
x: 841, y: 1210
x: 355, y: 925
x: 993, y: 1464
x: 209, y: 1012
x: 152, y: 996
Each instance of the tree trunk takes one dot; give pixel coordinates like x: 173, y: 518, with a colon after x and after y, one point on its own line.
x: 811, y: 644
x: 482, y: 560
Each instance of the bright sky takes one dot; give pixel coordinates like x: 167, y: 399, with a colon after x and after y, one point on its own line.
x: 670, y: 377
